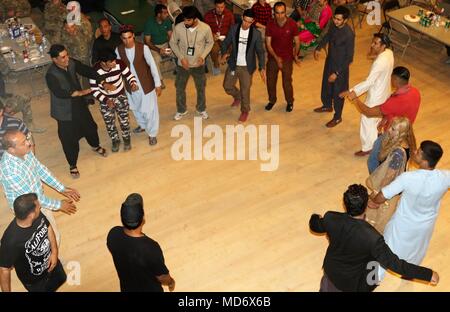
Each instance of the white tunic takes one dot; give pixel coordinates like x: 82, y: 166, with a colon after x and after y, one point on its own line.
x: 144, y: 106
x: 378, y: 83
x: 138, y: 100
x: 409, y: 231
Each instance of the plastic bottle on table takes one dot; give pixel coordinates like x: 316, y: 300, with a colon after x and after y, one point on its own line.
x: 13, y: 57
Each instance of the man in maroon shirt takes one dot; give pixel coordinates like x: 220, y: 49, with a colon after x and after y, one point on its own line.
x: 280, y: 34
x: 404, y: 102
x: 220, y: 19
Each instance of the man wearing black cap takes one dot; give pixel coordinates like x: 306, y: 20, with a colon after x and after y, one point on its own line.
x: 69, y: 107
x: 138, y: 259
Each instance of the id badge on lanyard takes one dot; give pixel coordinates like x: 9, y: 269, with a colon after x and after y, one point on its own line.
x: 191, y: 48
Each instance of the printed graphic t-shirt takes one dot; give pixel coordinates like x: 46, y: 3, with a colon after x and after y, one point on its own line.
x: 28, y: 250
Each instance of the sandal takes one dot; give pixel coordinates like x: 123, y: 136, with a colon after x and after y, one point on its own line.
x: 100, y: 150
x: 74, y: 172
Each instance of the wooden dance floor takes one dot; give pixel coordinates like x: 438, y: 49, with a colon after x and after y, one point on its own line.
x: 226, y: 225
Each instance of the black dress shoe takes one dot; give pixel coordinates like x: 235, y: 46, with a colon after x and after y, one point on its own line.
x: 269, y: 106
x: 323, y: 109
x: 289, y: 107
x: 333, y: 123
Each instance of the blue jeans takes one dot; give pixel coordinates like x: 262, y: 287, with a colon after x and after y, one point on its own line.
x: 372, y: 162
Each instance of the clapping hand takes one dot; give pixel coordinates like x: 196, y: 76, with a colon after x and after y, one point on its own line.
x: 68, y: 207
x: 134, y: 87
x: 351, y: 95
x: 81, y: 92
x: 72, y: 194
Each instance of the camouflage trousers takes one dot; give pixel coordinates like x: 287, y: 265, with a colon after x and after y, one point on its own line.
x: 109, y: 116
x: 19, y: 103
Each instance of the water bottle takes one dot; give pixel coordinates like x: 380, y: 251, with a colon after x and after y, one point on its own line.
x: 44, y: 42
x: 41, y: 50
x: 13, y: 57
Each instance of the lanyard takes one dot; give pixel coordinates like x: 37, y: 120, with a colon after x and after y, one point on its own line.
x: 187, y: 38
x: 219, y: 25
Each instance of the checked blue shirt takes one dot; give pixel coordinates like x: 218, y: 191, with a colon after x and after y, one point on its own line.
x: 21, y: 176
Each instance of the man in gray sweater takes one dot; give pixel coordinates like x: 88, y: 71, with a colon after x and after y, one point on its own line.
x: 191, y: 42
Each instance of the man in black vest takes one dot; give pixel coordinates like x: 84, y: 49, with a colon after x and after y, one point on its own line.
x: 69, y: 107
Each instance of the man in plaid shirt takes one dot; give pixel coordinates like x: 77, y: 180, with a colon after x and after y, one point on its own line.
x: 22, y: 173
x: 263, y: 13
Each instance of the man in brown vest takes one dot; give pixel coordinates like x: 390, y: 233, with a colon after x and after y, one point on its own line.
x: 144, y: 101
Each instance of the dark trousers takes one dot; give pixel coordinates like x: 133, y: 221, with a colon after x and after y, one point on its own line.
x: 70, y: 133
x: 198, y: 73
x: 51, y: 282
x: 327, y: 286
x: 330, y: 91
x: 272, y: 79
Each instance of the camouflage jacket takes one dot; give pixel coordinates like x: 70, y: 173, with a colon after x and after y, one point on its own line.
x: 54, y: 16
x: 79, y: 45
x: 21, y: 7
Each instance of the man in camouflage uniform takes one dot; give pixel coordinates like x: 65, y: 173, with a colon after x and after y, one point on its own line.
x: 18, y: 103
x: 78, y: 39
x: 11, y: 8
x: 55, y: 14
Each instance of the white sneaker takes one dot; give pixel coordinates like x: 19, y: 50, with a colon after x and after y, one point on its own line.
x: 178, y: 115
x: 203, y: 114
x: 215, y: 71
x: 447, y: 61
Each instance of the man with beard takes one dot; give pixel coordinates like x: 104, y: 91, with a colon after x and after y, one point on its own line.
x: 191, y: 42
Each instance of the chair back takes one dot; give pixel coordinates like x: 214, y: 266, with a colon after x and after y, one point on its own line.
x: 115, y: 24
x: 396, y: 26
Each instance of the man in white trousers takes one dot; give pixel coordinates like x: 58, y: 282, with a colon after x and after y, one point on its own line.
x: 143, y: 97
x: 378, y: 88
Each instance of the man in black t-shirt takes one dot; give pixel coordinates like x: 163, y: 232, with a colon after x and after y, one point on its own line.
x: 108, y: 40
x: 29, y: 246
x: 138, y: 259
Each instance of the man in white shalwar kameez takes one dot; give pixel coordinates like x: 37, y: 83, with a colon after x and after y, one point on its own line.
x: 378, y: 88
x: 143, y: 101
x: 409, y: 231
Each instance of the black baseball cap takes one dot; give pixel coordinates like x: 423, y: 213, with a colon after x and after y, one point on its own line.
x: 132, y: 211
